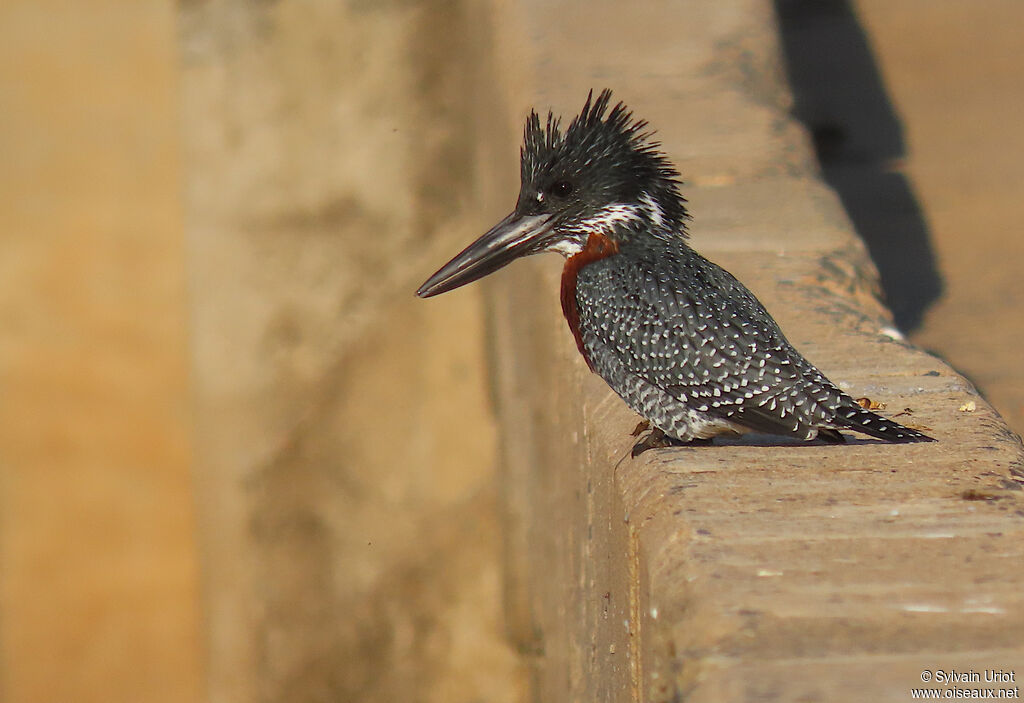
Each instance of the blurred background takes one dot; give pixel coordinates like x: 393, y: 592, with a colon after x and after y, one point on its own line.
x: 238, y: 461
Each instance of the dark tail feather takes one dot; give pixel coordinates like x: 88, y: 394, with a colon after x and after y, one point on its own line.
x: 861, y: 420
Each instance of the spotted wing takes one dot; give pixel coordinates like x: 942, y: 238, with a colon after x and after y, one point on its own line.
x: 687, y: 327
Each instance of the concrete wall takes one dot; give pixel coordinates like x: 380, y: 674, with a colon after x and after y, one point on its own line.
x: 345, y: 439
x: 409, y: 500
x: 98, y: 568
x: 745, y: 572
x: 352, y: 518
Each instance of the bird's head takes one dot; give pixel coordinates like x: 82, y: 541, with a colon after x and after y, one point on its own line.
x: 603, y: 175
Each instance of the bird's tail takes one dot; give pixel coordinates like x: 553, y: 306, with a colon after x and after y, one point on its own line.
x: 857, y: 418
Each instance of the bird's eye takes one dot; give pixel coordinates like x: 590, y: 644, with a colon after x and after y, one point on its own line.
x: 561, y: 188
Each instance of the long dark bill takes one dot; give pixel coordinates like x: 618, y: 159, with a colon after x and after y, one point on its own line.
x: 511, y: 238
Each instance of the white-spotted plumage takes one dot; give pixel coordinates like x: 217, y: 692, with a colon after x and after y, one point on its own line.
x: 708, y: 359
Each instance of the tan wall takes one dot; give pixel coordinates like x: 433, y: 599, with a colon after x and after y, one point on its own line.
x: 239, y: 461
x: 98, y: 569
x: 345, y: 450
x: 963, y: 149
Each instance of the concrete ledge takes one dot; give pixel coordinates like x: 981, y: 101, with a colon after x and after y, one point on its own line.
x: 747, y: 571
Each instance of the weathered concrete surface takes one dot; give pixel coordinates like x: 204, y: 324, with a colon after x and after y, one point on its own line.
x: 748, y: 571
x: 345, y: 444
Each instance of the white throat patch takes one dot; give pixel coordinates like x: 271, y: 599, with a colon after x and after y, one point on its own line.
x: 601, y: 222
x: 567, y: 247
x: 607, y: 217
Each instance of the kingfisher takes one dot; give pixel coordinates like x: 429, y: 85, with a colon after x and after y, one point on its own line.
x: 677, y: 337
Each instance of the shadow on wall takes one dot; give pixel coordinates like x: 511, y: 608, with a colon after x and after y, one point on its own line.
x: 840, y: 97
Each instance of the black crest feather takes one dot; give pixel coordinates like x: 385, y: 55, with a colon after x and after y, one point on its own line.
x: 611, y: 136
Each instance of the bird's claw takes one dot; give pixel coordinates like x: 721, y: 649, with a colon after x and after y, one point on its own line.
x: 657, y: 439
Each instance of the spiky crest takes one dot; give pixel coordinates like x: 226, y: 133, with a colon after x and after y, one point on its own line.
x: 621, y: 146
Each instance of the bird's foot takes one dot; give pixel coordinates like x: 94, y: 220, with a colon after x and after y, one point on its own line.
x: 641, y: 427
x: 657, y: 439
